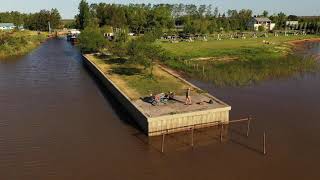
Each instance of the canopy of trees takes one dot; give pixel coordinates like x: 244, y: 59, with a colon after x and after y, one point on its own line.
x: 91, y: 39
x: 202, y: 19
x: 139, y: 18
x: 33, y: 21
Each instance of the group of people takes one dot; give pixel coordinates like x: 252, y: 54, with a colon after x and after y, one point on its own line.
x: 165, y: 97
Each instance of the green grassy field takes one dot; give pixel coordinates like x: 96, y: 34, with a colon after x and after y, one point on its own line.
x: 239, y: 62
x: 231, y: 47
x: 17, y: 43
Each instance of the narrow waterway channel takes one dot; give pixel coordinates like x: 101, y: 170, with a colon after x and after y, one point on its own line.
x: 57, y: 122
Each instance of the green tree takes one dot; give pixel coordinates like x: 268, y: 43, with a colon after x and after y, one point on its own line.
x: 261, y: 29
x: 144, y: 51
x: 118, y: 46
x: 136, y: 18
x: 55, y: 19
x: 83, y: 18
x: 91, y: 39
x: 265, y: 13
x: 280, y: 20
x: 40, y: 21
x: 119, y: 18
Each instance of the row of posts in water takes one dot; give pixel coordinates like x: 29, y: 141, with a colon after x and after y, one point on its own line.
x: 221, y: 125
x: 195, y: 66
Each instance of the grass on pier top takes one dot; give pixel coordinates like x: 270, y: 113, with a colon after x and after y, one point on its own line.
x: 134, y: 81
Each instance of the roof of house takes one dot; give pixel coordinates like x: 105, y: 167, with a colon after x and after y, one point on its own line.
x: 6, y: 24
x: 262, y: 19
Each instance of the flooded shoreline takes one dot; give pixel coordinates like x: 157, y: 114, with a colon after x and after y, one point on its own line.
x: 58, y: 123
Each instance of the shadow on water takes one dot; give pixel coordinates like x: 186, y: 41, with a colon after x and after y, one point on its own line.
x: 122, y: 113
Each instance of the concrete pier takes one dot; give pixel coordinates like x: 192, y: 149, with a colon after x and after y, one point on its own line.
x: 171, y: 117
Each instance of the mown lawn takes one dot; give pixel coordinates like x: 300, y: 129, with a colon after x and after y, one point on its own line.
x: 231, y: 47
x: 239, y: 62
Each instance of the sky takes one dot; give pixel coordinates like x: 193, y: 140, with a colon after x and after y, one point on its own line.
x: 69, y: 8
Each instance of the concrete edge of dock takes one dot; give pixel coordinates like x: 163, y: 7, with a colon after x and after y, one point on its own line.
x: 159, y: 124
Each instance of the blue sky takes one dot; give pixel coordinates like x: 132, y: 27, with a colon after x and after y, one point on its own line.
x: 68, y: 8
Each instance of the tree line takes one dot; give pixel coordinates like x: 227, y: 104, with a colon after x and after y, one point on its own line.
x: 97, y: 20
x: 38, y: 21
x: 190, y: 18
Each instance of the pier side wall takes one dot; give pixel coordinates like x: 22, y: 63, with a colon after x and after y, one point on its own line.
x: 154, y: 126
x: 133, y: 110
x: 184, y: 121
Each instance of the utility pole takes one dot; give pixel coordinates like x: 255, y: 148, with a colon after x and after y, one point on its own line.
x: 49, y: 25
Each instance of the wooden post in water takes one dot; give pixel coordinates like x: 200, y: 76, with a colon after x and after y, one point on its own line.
x: 248, y: 127
x: 264, y: 143
x: 162, y: 144
x: 203, y: 70
x: 192, y: 133
x: 197, y: 67
x: 221, y: 131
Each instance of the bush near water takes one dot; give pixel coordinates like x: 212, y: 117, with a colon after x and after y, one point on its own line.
x: 16, y: 43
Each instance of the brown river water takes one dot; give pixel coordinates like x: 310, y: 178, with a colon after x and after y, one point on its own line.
x: 58, y: 123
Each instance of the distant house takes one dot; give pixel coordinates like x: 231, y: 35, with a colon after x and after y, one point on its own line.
x: 292, y: 23
x: 7, y: 26
x: 179, y: 27
x: 256, y: 22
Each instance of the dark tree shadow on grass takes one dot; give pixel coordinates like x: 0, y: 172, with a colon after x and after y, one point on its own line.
x: 111, y: 59
x: 117, y: 60
x: 103, y: 56
x: 129, y: 71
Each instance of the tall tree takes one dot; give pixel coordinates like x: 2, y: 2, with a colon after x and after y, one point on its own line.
x: 91, y: 39
x: 55, y: 18
x: 83, y: 18
x: 265, y: 13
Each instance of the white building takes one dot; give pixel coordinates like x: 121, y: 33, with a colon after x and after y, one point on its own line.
x: 292, y: 24
x: 74, y: 32
x: 7, y: 26
x: 256, y: 22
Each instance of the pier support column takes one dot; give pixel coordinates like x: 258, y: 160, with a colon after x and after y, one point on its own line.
x: 221, y: 132
x: 264, y: 143
x: 248, y: 127
x: 192, y: 135
x: 162, y: 144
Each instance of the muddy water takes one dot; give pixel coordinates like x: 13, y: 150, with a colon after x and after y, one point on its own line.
x: 57, y: 122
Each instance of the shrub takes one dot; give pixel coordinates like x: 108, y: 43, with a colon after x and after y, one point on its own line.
x: 261, y: 28
x: 91, y: 40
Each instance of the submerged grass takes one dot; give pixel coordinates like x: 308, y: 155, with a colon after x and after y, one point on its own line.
x: 240, y: 73
x: 17, y: 43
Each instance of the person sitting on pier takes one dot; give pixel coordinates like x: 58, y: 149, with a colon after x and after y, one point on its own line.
x: 188, y: 97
